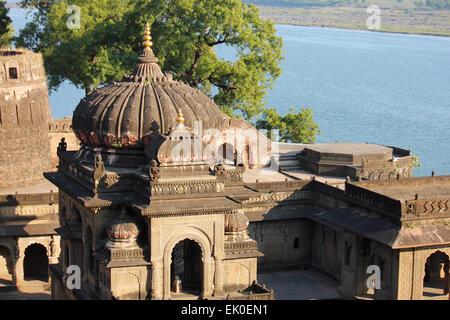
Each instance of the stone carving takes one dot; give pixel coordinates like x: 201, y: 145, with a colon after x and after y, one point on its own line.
x: 154, y: 171
x: 228, y: 174
x: 99, y: 172
x: 424, y: 208
x: 52, y: 246
x: 186, y: 187
x: 62, y: 146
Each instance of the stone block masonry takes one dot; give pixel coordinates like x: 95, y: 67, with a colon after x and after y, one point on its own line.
x: 24, y: 118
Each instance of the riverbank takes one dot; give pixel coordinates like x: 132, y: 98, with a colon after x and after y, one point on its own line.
x: 392, y: 20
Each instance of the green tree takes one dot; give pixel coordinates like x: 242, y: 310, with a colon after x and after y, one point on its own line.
x: 293, y: 127
x: 186, y: 34
x: 6, y: 28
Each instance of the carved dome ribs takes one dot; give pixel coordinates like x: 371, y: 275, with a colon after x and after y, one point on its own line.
x: 121, y: 114
x: 124, y: 112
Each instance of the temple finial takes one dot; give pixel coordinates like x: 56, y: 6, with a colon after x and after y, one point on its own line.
x: 180, y: 118
x: 147, y: 38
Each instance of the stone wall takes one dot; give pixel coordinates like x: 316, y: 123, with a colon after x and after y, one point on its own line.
x: 24, y: 116
x: 58, y: 129
x: 284, y: 243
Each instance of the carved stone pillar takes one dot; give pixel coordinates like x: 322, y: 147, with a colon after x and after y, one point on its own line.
x: 157, y: 280
x: 218, y: 276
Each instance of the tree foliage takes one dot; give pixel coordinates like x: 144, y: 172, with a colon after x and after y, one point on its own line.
x: 293, y: 127
x: 5, y: 26
x: 185, y: 33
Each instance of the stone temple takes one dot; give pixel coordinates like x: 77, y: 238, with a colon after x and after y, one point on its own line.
x: 145, y: 215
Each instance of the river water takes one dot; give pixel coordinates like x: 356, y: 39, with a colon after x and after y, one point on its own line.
x: 390, y: 89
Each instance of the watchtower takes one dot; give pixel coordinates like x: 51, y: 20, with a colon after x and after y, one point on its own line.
x: 24, y: 118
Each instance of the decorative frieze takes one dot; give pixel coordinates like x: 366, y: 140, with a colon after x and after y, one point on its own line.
x: 414, y: 209
x: 186, y: 187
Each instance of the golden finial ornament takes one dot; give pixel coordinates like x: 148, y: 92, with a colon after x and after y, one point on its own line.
x: 180, y: 118
x: 147, y: 38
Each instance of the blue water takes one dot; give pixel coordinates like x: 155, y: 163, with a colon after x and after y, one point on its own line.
x: 390, y: 89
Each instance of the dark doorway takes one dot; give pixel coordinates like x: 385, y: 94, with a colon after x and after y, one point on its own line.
x: 5, y: 265
x: 187, y: 266
x: 228, y: 154
x: 436, y: 281
x: 35, y: 264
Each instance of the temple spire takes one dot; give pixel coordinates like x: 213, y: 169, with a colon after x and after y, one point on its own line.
x: 147, y: 55
x: 147, y: 44
x: 180, y: 119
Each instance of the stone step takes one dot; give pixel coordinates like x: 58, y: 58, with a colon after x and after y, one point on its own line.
x: 284, y: 163
x: 290, y: 168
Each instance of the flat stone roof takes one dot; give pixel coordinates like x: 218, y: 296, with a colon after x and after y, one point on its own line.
x: 405, y: 192
x: 265, y: 175
x: 44, y: 187
x: 427, y: 188
x: 349, y: 148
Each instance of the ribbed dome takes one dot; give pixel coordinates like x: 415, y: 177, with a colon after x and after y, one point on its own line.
x: 123, y: 114
x: 236, y: 221
x: 123, y: 229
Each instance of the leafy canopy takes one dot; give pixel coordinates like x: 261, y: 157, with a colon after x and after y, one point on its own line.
x: 5, y: 26
x: 185, y: 33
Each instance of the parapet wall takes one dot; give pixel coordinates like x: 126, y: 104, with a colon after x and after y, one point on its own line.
x: 58, y: 129
x: 24, y: 118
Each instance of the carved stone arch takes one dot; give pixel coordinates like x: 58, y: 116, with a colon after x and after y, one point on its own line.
x: 436, y: 282
x: 6, y: 260
x: 204, y: 243
x: 8, y: 244
x: 36, y: 260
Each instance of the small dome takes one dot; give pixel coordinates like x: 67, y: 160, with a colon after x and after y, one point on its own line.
x: 236, y: 221
x: 123, y: 229
x: 125, y: 114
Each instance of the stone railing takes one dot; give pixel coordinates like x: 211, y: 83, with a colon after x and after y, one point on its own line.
x: 373, y: 201
x: 281, y: 185
x: 60, y: 125
x: 28, y: 199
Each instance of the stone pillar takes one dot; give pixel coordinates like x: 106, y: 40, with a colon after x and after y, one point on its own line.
x: 218, y: 276
x: 18, y: 275
x: 157, y: 280
x: 418, y: 274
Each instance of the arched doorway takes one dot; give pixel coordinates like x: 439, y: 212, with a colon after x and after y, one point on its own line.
x: 436, y: 281
x: 227, y: 153
x: 35, y: 264
x: 187, y: 267
x: 5, y: 265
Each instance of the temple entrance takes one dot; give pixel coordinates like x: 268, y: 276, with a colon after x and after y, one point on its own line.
x: 436, y: 281
x: 228, y: 154
x: 5, y: 266
x: 186, y: 268
x: 35, y: 264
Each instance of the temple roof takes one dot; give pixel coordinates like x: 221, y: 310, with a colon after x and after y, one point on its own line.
x: 125, y: 114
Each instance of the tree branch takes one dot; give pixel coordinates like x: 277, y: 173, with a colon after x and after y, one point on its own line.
x: 220, y: 85
x: 215, y: 43
x: 189, y: 74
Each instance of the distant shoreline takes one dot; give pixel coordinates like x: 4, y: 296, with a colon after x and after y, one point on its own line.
x: 355, y: 18
x: 361, y: 29
x: 318, y: 17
